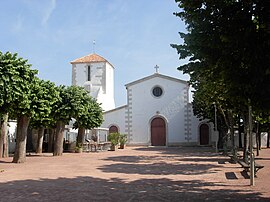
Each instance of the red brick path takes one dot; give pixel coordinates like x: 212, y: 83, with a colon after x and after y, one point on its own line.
x: 133, y: 174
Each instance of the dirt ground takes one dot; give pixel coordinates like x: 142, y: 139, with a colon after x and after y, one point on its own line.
x: 133, y: 174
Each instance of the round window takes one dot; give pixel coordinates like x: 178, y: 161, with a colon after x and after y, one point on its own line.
x: 157, y: 91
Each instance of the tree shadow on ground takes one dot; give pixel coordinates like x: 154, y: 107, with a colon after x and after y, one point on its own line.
x: 186, y: 151
x: 85, y: 188
x: 172, y: 161
x: 138, y: 159
x: 129, y: 159
x: 160, y: 168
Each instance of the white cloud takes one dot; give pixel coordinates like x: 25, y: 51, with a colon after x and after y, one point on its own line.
x: 48, y: 12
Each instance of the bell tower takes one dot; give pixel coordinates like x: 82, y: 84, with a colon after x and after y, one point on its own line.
x: 96, y: 75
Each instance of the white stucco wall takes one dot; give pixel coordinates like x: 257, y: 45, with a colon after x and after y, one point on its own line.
x: 115, y: 117
x: 108, y: 99
x: 109, y: 80
x: 195, y: 130
x: 101, y: 84
x: 134, y: 119
x: 144, y: 106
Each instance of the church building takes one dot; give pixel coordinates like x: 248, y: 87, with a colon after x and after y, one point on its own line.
x: 158, y: 111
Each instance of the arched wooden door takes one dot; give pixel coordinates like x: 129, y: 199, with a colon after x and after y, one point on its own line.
x: 113, y: 129
x: 158, y: 132
x: 204, y: 134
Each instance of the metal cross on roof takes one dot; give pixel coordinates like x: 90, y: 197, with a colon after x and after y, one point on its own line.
x: 156, y: 67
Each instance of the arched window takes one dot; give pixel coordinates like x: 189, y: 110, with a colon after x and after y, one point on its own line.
x: 113, y: 129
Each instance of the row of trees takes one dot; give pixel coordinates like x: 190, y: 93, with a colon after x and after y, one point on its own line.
x: 228, y: 47
x: 40, y: 104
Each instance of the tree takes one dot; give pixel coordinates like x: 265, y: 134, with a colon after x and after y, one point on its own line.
x: 16, y: 82
x: 218, y: 43
x: 73, y: 104
x: 47, y: 95
x: 90, y: 117
x: 5, y: 98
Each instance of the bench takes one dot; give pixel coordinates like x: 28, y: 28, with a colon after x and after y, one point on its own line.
x: 246, y: 166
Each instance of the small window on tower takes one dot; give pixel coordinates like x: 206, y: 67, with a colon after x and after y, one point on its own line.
x: 88, y: 73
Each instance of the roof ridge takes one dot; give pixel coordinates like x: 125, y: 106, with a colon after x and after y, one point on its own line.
x: 156, y: 75
x: 93, y: 57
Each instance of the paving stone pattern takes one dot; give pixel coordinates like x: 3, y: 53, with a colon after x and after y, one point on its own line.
x: 133, y: 174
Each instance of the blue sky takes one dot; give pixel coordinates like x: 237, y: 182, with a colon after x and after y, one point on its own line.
x: 133, y: 35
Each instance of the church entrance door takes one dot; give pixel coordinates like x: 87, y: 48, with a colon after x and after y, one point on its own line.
x: 158, y: 132
x: 204, y: 134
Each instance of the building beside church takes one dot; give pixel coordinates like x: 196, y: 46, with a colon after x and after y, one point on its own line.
x: 157, y: 113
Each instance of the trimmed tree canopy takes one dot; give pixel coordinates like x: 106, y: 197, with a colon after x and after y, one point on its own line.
x: 16, y: 81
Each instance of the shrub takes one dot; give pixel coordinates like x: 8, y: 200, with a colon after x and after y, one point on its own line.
x: 114, y: 138
x: 123, y: 139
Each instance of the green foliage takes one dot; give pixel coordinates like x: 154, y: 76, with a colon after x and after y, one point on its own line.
x: 92, y: 115
x: 114, y: 138
x: 78, y: 146
x: 123, y: 139
x: 69, y: 105
x: 75, y: 103
x: 228, y: 48
x: 44, y: 96
x: 16, y: 82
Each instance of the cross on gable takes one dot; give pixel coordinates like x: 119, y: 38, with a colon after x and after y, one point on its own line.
x: 156, y: 67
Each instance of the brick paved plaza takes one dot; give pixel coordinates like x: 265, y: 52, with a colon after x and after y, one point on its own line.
x: 133, y: 174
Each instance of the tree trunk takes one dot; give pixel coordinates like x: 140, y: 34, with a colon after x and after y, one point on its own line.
x: 222, y: 129
x: 4, y: 137
x: 51, y: 139
x: 81, y: 136
x: 226, y: 123
x: 59, y: 137
x: 257, y: 140
x: 34, y: 134
x: 245, y: 150
x: 231, y: 129
x: 240, y: 133
x: 20, y: 150
x: 4, y: 129
x: 260, y: 139
x: 40, y: 140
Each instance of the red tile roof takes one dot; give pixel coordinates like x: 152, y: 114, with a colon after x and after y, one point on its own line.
x: 89, y: 58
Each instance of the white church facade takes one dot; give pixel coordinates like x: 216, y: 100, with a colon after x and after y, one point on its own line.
x: 157, y: 113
